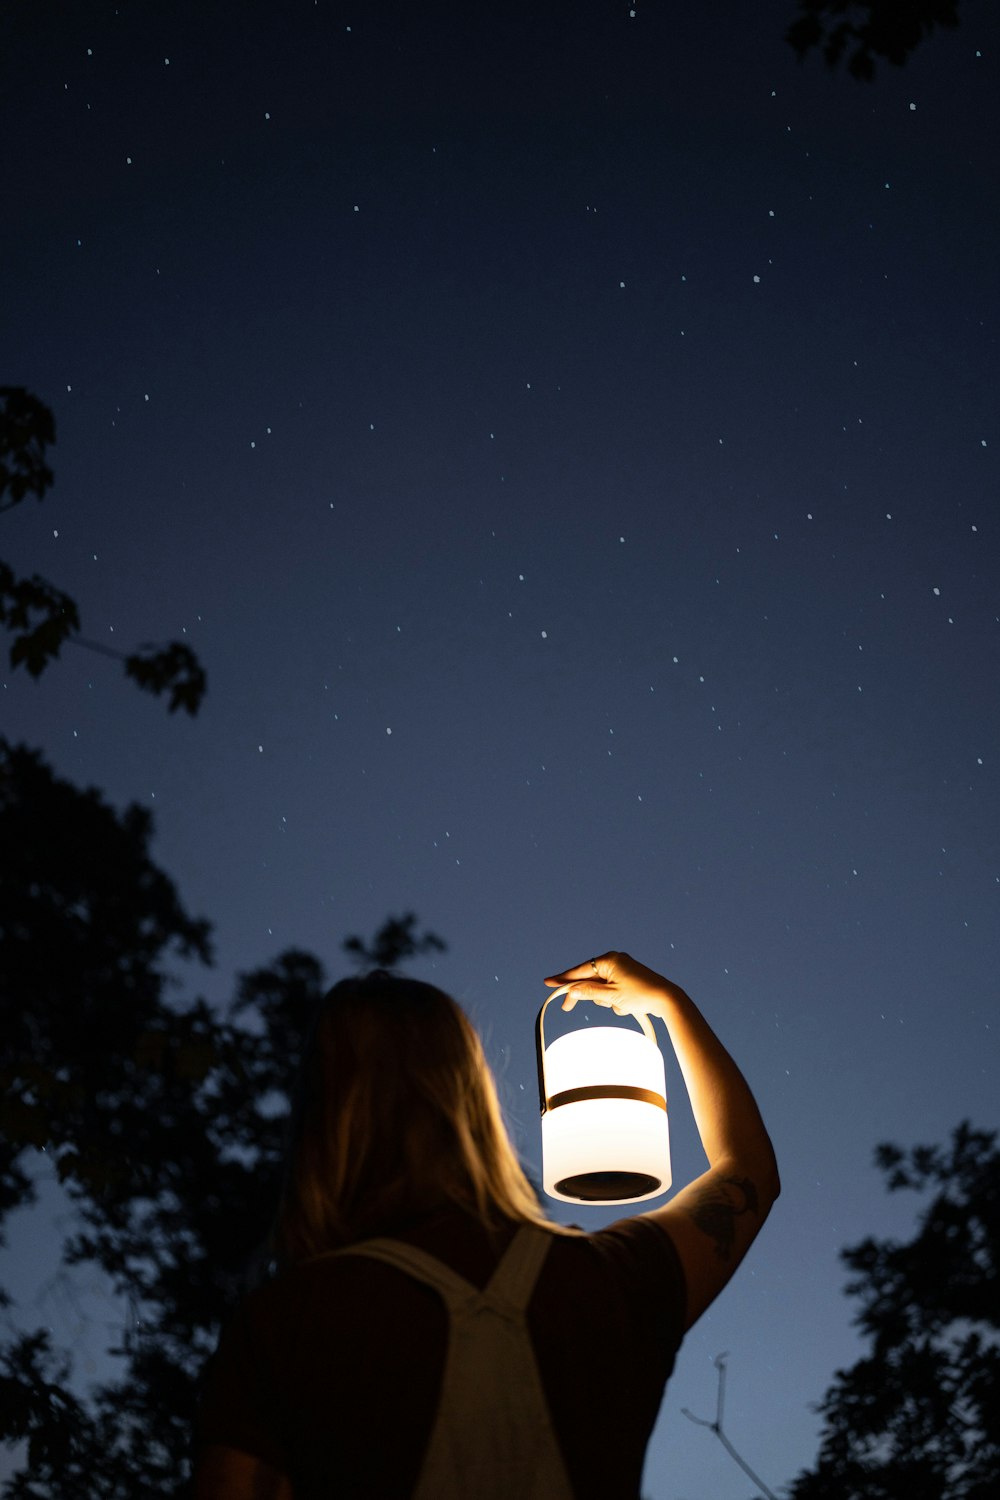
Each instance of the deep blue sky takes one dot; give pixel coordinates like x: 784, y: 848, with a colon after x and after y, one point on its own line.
x: 569, y: 439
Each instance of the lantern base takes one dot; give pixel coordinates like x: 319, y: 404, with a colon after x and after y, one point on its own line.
x: 609, y: 1187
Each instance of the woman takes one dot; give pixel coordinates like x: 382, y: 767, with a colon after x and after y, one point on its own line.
x: 430, y: 1332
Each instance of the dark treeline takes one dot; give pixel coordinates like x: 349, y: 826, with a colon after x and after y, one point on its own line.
x: 861, y: 33
x: 918, y: 1416
x: 39, y: 616
x: 164, y: 1121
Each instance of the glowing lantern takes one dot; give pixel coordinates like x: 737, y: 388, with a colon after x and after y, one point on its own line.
x: 603, y: 1096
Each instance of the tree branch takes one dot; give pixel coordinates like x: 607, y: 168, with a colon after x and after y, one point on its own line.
x: 716, y: 1427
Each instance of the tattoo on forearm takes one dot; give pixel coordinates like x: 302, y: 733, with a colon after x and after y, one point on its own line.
x: 717, y: 1208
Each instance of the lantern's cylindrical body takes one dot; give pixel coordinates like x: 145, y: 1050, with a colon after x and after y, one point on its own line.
x: 605, y: 1137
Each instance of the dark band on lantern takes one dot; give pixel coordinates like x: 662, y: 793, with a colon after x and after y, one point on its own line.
x: 606, y: 1091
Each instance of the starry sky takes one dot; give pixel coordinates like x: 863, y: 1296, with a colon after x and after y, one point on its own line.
x: 567, y: 433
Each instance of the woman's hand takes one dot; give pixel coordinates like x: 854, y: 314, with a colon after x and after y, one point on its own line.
x: 618, y: 981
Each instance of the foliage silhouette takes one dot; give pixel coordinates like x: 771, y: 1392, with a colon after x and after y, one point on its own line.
x: 920, y: 1415
x: 40, y: 615
x: 27, y: 429
x: 394, y: 942
x: 165, y: 1122
x: 889, y: 29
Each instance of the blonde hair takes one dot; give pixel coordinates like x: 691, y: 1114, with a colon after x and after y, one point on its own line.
x: 397, y: 1114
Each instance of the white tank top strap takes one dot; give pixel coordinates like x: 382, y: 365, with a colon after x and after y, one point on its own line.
x: 454, y: 1289
x: 515, y: 1277
x: 492, y: 1436
x: 509, y: 1288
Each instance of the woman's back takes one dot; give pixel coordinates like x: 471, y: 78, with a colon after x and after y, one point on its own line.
x: 329, y: 1379
x: 332, y: 1373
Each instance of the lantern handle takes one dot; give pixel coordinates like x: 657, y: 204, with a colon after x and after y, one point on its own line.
x: 642, y: 1018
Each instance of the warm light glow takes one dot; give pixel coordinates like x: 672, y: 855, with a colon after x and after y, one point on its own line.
x: 604, y: 1150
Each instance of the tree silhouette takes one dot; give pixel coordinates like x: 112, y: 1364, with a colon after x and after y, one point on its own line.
x: 40, y: 615
x: 889, y: 29
x: 920, y: 1415
x: 165, y: 1122
x: 394, y: 942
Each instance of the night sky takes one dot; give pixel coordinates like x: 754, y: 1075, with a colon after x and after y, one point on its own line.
x: 567, y: 434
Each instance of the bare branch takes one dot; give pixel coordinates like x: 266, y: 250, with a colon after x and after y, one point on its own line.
x: 716, y: 1427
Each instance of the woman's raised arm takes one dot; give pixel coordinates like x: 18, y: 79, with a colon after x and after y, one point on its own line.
x: 715, y: 1219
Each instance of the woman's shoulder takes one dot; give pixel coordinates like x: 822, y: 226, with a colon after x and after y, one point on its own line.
x: 636, y: 1247
x: 634, y: 1252
x: 639, y: 1236
x: 625, y: 1279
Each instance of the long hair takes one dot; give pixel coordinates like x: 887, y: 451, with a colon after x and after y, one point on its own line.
x: 396, y: 1114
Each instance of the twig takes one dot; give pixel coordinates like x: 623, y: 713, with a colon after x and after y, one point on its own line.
x: 80, y: 640
x: 716, y: 1427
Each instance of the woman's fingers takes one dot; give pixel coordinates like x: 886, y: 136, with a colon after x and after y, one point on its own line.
x: 589, y: 983
x: 591, y: 989
x: 585, y: 970
x: 570, y: 1002
x: 568, y: 975
x: 581, y: 990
